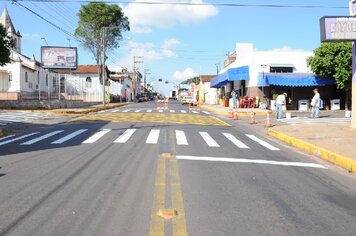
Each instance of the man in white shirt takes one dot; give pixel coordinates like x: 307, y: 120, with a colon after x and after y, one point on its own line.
x: 315, y: 103
x: 280, y: 101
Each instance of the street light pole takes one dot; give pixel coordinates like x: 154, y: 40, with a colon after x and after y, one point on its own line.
x: 146, y: 72
x: 135, y: 78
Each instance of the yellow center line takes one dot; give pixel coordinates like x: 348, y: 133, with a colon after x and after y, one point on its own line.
x: 157, y: 222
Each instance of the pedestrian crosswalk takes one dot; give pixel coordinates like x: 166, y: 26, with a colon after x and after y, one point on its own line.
x: 9, y: 117
x: 150, y: 136
x: 321, y: 120
x: 159, y: 110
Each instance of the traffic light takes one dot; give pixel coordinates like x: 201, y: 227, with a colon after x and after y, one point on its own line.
x: 159, y: 80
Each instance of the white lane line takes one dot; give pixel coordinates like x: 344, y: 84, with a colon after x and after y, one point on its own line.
x: 18, y: 138
x: 149, y: 111
x: 6, y: 137
x: 206, y: 112
x: 35, y: 140
x: 181, y: 138
x: 160, y: 111
x: 124, y: 111
x: 113, y: 111
x: 137, y: 111
x: 183, y: 111
x: 263, y: 143
x: 153, y: 136
x: 172, y: 111
x: 234, y: 160
x: 125, y: 136
x: 235, y: 141
x: 95, y: 137
x: 69, y: 136
x: 209, y: 140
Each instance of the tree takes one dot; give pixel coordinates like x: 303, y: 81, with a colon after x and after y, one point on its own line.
x: 334, y: 60
x: 6, y: 43
x: 93, y: 17
x: 192, y: 80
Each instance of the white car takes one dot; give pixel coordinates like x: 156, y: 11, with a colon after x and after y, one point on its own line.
x: 188, y: 100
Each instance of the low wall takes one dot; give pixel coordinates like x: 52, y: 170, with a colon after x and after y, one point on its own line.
x: 9, y: 96
x: 52, y: 104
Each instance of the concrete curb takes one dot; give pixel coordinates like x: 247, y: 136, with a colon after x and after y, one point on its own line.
x: 337, y: 159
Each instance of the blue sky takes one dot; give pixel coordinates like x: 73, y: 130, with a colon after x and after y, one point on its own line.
x: 177, y: 42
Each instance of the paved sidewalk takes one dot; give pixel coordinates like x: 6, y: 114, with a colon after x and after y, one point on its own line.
x: 334, y: 142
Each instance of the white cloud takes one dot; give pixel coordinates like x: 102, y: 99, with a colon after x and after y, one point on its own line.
x: 168, y: 15
x: 140, y: 30
x: 148, y: 51
x: 36, y: 36
x: 287, y: 49
x: 188, y: 73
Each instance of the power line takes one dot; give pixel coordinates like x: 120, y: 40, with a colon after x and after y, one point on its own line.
x: 199, y: 4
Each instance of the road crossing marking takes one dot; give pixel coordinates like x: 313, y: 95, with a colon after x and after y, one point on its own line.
x: 206, y: 112
x: 32, y: 141
x: 125, y: 136
x: 263, y: 143
x: 97, y: 136
x: 113, y: 111
x: 6, y: 137
x: 69, y: 136
x: 183, y: 111
x: 125, y: 111
x: 235, y: 141
x: 18, y: 138
x: 160, y: 111
x: 251, y: 161
x: 149, y: 111
x: 209, y: 140
x: 103, y: 111
x: 195, y: 112
x: 153, y: 136
x: 181, y: 138
x: 172, y: 111
x: 137, y: 111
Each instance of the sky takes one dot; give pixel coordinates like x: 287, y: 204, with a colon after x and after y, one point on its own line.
x: 175, y: 42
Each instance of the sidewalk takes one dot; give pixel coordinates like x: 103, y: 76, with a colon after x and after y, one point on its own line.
x: 334, y: 142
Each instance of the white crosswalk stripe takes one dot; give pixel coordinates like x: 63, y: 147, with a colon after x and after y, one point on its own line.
x: 149, y: 111
x: 113, y: 111
x: 307, y: 120
x: 18, y: 138
x: 206, y: 112
x: 181, y: 138
x: 183, y: 111
x: 32, y: 141
x: 125, y: 136
x: 69, y: 136
x: 172, y: 111
x: 209, y: 140
x: 153, y: 136
x: 263, y: 143
x: 97, y: 136
x: 235, y: 141
x: 125, y: 111
x: 137, y: 111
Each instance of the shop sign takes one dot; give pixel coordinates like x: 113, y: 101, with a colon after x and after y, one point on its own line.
x: 337, y: 28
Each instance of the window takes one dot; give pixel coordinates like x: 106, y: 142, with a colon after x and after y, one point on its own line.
x: 280, y: 69
x: 10, y: 76
x: 26, y: 77
x: 88, y: 82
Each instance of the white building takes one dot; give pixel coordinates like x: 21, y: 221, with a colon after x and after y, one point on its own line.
x: 264, y: 74
x: 207, y: 94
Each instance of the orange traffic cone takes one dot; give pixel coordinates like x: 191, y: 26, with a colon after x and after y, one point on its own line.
x: 252, y: 118
x: 229, y: 113
x: 268, y: 119
x: 235, y: 117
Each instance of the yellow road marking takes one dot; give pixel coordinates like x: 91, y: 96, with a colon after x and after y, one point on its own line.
x: 179, y: 227
x: 154, y: 118
x: 157, y: 222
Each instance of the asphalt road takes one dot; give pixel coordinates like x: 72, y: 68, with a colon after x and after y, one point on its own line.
x: 110, y: 173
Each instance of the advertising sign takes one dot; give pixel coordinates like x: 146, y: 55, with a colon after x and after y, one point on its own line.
x: 352, y: 8
x: 337, y: 28
x: 59, y: 57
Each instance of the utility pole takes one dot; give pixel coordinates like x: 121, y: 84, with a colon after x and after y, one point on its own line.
x: 146, y: 72
x: 103, y: 60
x: 134, y: 76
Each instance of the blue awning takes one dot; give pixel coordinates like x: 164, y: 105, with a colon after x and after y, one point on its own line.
x: 232, y: 74
x: 293, y: 79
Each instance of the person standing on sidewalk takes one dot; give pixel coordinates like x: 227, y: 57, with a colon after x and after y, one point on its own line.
x: 280, y: 101
x: 315, y: 103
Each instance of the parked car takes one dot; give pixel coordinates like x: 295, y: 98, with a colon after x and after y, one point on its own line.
x: 188, y: 100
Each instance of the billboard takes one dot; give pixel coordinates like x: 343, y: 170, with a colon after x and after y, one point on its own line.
x: 337, y: 28
x: 59, y: 57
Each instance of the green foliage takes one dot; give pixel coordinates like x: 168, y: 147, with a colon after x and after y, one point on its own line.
x: 6, y: 43
x: 333, y: 60
x: 92, y: 18
x: 192, y: 80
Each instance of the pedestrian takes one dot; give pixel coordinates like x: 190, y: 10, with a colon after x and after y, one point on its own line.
x: 280, y: 101
x: 234, y: 101
x: 315, y: 104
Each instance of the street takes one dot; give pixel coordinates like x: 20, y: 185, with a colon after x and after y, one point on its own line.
x: 166, y: 169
